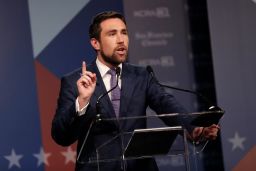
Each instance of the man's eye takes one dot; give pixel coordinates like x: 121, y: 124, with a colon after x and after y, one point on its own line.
x: 111, y: 34
x: 125, y: 32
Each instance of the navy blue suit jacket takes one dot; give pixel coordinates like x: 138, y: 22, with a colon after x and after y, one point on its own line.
x: 139, y: 90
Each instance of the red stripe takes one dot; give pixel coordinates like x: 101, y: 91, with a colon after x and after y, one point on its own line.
x: 47, y: 89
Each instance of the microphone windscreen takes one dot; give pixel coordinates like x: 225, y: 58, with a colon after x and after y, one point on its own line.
x: 118, y: 70
x: 149, y: 69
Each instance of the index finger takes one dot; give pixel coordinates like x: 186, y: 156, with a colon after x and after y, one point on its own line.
x: 83, y: 67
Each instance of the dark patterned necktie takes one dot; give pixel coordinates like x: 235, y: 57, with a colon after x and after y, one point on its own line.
x: 115, y: 94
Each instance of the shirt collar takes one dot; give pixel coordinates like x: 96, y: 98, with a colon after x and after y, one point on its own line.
x: 103, y: 69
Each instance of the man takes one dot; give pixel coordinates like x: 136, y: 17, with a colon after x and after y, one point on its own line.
x: 137, y: 90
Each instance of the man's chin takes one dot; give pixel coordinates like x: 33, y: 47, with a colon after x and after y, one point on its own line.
x: 116, y: 63
x: 120, y: 59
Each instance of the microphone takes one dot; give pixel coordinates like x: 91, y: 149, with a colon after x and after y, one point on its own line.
x: 209, y: 103
x: 98, y: 116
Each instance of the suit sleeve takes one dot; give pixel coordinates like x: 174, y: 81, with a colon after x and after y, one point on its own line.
x: 67, y: 125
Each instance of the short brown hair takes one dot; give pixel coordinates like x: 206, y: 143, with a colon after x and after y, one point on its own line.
x: 95, y: 29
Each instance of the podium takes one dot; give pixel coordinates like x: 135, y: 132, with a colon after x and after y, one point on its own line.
x: 119, y: 145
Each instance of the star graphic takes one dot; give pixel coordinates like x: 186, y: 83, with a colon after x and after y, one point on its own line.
x: 70, y: 155
x: 13, y: 159
x: 237, y: 141
x: 42, y: 157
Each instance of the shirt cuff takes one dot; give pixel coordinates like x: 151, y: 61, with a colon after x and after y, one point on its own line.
x: 83, y: 110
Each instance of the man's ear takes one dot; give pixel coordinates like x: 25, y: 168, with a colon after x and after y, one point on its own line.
x: 95, y: 44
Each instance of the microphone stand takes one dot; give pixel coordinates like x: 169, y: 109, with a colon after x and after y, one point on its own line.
x: 208, y: 102
x: 98, y: 117
x: 98, y: 111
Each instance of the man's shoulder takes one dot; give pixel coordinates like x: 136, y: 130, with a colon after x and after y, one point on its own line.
x: 72, y: 74
x: 136, y: 69
x: 76, y: 73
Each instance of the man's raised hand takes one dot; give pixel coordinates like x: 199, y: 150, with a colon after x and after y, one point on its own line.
x: 86, y: 86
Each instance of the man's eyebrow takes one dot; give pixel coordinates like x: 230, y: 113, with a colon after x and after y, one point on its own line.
x: 124, y: 29
x: 111, y: 31
x: 115, y: 30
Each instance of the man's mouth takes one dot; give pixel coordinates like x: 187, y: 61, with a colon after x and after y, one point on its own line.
x: 121, y: 50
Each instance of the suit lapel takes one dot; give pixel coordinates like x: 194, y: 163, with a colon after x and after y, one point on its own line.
x: 127, y: 89
x: 100, y: 88
x: 127, y: 78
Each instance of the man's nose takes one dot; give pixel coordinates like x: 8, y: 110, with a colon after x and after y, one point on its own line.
x: 120, y: 38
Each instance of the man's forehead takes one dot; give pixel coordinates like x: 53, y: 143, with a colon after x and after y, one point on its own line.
x: 113, y: 24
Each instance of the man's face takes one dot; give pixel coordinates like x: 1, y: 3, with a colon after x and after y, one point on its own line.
x: 113, y: 43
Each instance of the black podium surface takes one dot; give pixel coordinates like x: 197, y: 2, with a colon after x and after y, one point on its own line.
x: 151, y: 141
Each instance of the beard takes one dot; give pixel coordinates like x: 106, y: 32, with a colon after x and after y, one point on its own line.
x: 114, y: 59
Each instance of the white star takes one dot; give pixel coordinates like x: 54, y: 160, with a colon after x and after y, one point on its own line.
x: 42, y: 157
x: 13, y: 159
x: 237, y: 141
x: 70, y: 155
